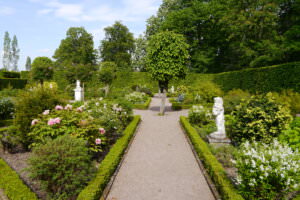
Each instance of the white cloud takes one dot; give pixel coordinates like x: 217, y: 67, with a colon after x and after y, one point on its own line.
x: 44, y: 50
x: 4, y: 10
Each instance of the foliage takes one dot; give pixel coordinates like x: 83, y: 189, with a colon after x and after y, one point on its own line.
x: 6, y: 59
x: 143, y: 106
x: 107, y: 72
x: 12, y: 82
x: 200, y: 115
x: 139, y: 54
x: 224, y: 153
x: 76, y: 48
x: 215, y: 169
x: 292, y: 135
x: 9, y: 74
x: 63, y: 166
x: 6, y: 108
x: 108, y: 166
x: 267, y: 171
x: 12, y: 185
x: 289, y: 98
x: 259, y: 118
x: 30, y: 103
x: 136, y: 97
x: 167, y: 56
x: 28, y: 64
x: 233, y: 98
x: 42, y: 69
x: 9, y: 92
x: 117, y: 45
x: 15, y: 53
x: 73, y: 72
x: 207, y: 90
x: 10, y: 139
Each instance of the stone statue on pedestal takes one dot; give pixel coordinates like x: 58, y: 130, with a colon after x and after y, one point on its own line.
x: 78, y: 92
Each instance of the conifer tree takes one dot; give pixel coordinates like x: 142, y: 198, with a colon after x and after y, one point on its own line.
x: 28, y: 64
x: 6, y: 51
x: 15, y: 54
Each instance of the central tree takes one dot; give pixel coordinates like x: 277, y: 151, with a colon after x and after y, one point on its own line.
x: 167, y: 56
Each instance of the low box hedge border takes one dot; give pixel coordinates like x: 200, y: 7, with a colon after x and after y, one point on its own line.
x: 12, y: 185
x: 212, y: 165
x: 180, y: 106
x: 143, y: 106
x: 110, y: 163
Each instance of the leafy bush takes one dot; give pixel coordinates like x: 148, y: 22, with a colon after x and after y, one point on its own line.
x: 63, y: 166
x: 10, y: 74
x: 30, y: 103
x: 289, y: 98
x: 199, y: 115
x: 207, y: 90
x: 12, y: 82
x: 224, y: 154
x: 267, y: 171
x: 233, y: 98
x: 136, y: 97
x: 42, y: 69
x: 259, y: 118
x: 9, y: 92
x: 10, y: 139
x: 182, y: 89
x: 6, y: 108
x: 292, y: 135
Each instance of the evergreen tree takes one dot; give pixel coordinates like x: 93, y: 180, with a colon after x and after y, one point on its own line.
x: 139, y: 54
x: 15, y: 54
x: 28, y: 64
x: 6, y: 52
x: 117, y: 46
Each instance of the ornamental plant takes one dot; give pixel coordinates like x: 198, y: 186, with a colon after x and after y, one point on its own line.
x: 62, y: 166
x: 200, y: 115
x: 259, y: 118
x: 292, y: 135
x: 136, y: 97
x: 6, y: 108
x: 267, y: 171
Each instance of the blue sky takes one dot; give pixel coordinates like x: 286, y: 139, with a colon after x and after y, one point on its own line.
x: 40, y: 25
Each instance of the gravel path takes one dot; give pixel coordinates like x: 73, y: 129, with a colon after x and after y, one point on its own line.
x: 160, y: 164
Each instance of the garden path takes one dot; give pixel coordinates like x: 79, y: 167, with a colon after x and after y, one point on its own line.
x: 160, y: 164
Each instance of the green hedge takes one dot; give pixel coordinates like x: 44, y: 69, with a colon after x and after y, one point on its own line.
x: 8, y: 74
x: 212, y: 165
x: 265, y: 79
x: 12, y: 185
x: 108, y: 166
x: 25, y: 74
x: 6, y: 122
x: 179, y: 106
x: 144, y: 106
x: 12, y: 82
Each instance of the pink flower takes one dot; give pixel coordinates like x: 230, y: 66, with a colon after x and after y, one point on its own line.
x: 51, y: 122
x: 57, y: 120
x: 46, y: 112
x: 98, y: 141
x: 102, y: 131
x: 59, y: 107
x: 34, y: 122
x: 68, y: 107
x: 79, y: 109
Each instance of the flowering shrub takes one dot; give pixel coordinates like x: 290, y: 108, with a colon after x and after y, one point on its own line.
x: 6, y: 108
x: 136, y: 97
x: 292, y: 135
x: 200, y: 115
x: 260, y: 118
x: 267, y: 171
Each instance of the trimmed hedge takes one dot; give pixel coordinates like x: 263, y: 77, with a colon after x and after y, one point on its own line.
x: 180, y: 106
x: 8, y: 74
x: 12, y: 185
x: 25, y: 74
x: 13, y: 82
x: 144, y: 106
x: 110, y: 163
x: 265, y: 79
x: 6, y: 122
x: 212, y: 165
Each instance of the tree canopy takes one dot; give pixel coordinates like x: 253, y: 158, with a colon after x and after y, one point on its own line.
x: 42, y: 69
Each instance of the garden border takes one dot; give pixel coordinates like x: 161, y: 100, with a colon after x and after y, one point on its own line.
x: 180, y: 106
x: 13, y: 187
x: 212, y: 165
x: 110, y: 164
x: 143, y: 106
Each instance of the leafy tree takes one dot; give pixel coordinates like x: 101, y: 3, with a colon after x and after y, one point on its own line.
x: 139, y: 54
x: 42, y: 69
x: 28, y: 63
x: 6, y: 51
x: 76, y: 48
x: 80, y: 72
x: 15, y: 53
x: 167, y: 56
x: 107, y: 74
x: 117, y: 46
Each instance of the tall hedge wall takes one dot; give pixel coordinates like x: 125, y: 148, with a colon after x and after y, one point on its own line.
x: 13, y: 82
x: 273, y: 78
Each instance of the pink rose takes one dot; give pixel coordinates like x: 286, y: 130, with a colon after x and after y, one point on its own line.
x: 46, y: 112
x: 102, y: 131
x: 79, y: 109
x: 68, y: 107
x: 51, y: 122
x: 98, y: 141
x: 34, y: 122
x: 59, y: 107
x: 57, y: 120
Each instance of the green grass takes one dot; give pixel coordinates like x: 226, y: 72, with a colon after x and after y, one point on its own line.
x: 110, y: 163
x: 212, y: 165
x: 12, y: 185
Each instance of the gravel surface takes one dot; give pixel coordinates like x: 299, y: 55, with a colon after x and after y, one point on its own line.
x: 160, y: 164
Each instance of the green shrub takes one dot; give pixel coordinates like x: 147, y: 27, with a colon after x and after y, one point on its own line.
x: 10, y: 139
x: 9, y: 92
x: 42, y: 69
x: 12, y: 185
x: 136, y: 97
x: 214, y: 168
x: 25, y: 74
x: 224, y: 154
x: 12, y: 82
x: 108, y: 166
x: 207, y: 90
x: 292, y: 135
x: 289, y: 98
x: 63, y: 166
x: 200, y: 115
x: 233, y: 98
x: 144, y: 106
x: 30, y: 103
x: 9, y: 74
x: 267, y: 171
x: 259, y: 119
x: 6, y: 108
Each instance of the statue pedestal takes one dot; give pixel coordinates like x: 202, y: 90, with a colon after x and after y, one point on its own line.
x: 218, y: 138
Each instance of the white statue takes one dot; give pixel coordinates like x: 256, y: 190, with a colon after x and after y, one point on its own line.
x: 172, y: 90
x: 218, y: 111
x: 78, y: 92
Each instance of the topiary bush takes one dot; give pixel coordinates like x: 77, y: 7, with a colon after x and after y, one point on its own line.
x: 6, y: 108
x: 259, y: 118
x: 63, y: 166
